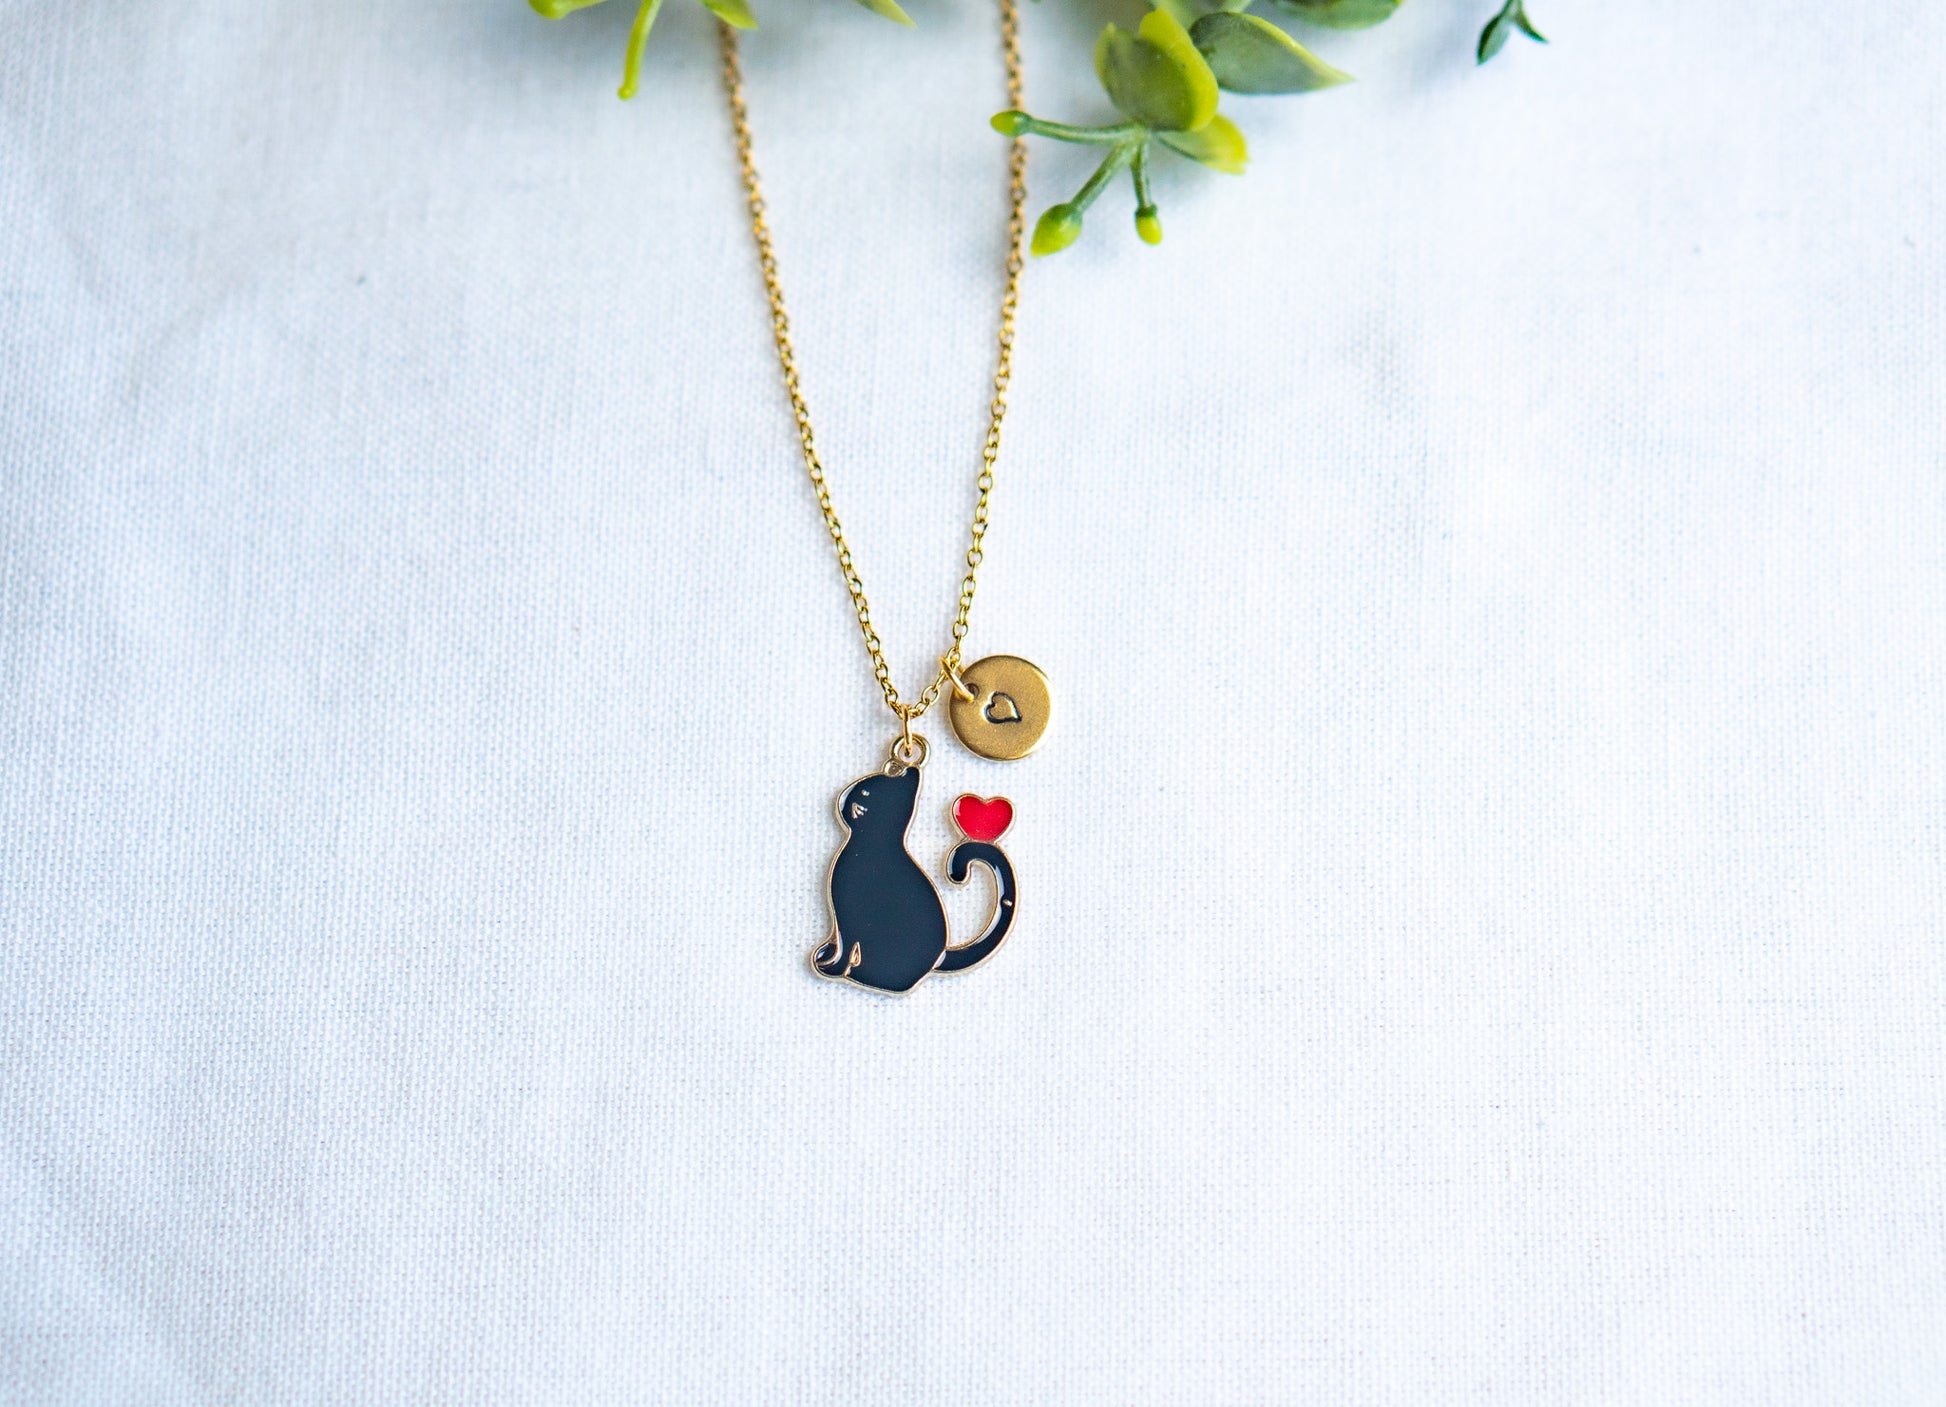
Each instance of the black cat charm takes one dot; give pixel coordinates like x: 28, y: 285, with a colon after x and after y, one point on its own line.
x: 888, y: 928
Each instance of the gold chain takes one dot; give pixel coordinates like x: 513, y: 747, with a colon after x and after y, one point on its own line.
x: 1002, y: 370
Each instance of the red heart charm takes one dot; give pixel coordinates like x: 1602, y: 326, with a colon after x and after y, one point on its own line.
x: 983, y: 817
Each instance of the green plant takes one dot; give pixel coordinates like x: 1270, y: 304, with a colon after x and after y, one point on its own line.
x: 1166, y: 80
x: 1512, y: 16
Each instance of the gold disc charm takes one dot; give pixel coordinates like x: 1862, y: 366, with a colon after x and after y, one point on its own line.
x: 1004, y: 710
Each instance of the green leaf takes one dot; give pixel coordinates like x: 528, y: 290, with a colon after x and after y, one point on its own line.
x: 1341, y: 14
x: 1512, y: 16
x: 1218, y: 143
x: 1184, y: 12
x: 1156, y: 75
x: 1187, y: 12
x: 1250, y: 55
x: 554, y: 9
x: 888, y: 8
x: 1494, y: 37
x: 734, y: 12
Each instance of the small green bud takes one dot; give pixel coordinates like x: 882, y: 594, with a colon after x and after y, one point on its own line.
x: 1148, y: 225
x: 1010, y: 123
x: 1059, y: 227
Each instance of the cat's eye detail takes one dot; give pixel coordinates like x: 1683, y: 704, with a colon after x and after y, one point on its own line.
x: 888, y: 927
x: 1000, y: 707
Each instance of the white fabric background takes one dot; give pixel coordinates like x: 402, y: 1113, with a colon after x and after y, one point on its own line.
x: 1483, y: 901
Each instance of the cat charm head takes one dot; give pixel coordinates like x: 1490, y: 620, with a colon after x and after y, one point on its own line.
x: 880, y: 805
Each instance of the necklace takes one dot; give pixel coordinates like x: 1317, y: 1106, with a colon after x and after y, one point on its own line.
x: 888, y: 927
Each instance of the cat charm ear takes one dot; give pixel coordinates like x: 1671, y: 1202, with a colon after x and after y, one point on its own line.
x: 888, y: 928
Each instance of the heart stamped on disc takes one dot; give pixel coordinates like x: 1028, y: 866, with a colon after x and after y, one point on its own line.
x: 983, y: 817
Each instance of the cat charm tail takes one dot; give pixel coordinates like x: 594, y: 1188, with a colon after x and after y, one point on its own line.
x: 888, y: 927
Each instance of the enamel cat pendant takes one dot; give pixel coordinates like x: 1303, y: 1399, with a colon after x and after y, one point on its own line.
x: 888, y: 927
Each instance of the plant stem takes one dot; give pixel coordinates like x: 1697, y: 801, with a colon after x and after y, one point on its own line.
x: 1093, y: 136
x: 638, y: 38
x: 1111, y: 166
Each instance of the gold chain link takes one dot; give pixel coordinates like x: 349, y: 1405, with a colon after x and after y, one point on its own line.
x: 787, y: 359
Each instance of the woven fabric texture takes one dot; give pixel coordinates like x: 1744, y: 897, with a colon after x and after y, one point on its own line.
x: 1482, y: 931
